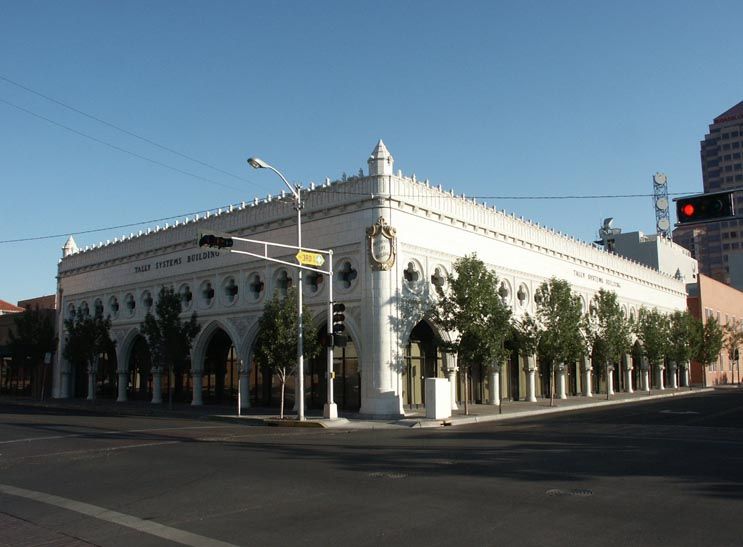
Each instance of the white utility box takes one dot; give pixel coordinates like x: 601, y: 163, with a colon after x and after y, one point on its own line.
x: 438, y: 398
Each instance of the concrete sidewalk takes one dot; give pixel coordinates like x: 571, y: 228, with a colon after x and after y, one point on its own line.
x: 478, y: 413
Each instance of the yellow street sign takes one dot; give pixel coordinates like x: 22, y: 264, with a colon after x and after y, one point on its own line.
x: 310, y: 259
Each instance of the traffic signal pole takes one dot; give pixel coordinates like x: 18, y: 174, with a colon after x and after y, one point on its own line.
x: 330, y: 410
x: 304, y: 256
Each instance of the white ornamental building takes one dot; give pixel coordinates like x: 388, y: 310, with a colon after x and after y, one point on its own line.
x: 393, y: 239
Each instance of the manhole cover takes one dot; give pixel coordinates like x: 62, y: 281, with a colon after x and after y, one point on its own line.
x: 387, y: 475
x: 578, y: 492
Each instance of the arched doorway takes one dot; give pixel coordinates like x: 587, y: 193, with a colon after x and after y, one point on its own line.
x: 221, y: 369
x: 637, y: 364
x: 512, y: 374
x: 422, y: 359
x: 347, y: 382
x: 545, y: 376
x: 139, y: 367
x: 106, y: 376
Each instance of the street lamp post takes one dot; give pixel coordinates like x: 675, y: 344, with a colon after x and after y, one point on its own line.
x: 258, y: 163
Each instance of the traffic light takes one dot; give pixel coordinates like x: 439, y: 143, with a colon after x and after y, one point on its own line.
x: 207, y: 239
x: 339, y: 338
x: 704, y: 207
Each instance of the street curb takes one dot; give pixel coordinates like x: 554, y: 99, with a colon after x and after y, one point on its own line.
x: 272, y: 422
x: 465, y: 420
x: 360, y: 424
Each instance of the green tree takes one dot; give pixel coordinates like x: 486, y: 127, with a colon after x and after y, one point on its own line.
x: 526, y: 334
x: 653, y: 329
x: 471, y: 309
x: 733, y: 342
x: 560, y: 321
x: 87, y: 338
x: 709, y: 346
x: 276, y: 341
x: 31, y: 338
x: 168, y: 337
x: 608, y: 331
x: 681, y: 337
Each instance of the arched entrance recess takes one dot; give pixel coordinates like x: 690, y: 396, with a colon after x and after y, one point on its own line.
x: 347, y: 382
x: 106, y: 377
x: 221, y: 369
x: 511, y: 376
x: 139, y: 368
x: 637, y: 364
x: 422, y: 359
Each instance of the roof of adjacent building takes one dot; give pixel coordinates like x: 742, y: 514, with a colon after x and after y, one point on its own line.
x: 731, y: 114
x: 7, y: 307
x: 46, y: 302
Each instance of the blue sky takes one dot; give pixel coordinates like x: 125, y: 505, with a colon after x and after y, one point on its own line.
x: 488, y: 98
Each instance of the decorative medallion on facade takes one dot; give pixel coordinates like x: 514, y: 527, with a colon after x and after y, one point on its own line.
x: 382, y: 240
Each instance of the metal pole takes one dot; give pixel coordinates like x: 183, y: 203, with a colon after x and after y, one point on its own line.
x: 300, y: 340
x: 330, y: 410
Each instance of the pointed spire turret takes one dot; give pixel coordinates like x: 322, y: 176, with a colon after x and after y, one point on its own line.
x: 70, y: 247
x: 381, y: 161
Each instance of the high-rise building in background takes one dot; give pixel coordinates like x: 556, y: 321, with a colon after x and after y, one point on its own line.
x: 715, y: 245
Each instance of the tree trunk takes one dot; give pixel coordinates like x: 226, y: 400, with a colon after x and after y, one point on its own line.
x: 282, y: 379
x: 170, y: 386
x: 466, y: 392
x: 552, y: 384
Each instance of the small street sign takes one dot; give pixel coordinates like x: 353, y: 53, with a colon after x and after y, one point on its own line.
x: 307, y: 258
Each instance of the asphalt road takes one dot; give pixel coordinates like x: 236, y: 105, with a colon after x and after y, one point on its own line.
x: 648, y: 474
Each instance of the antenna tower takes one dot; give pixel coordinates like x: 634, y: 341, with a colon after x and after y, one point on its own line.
x: 660, y: 201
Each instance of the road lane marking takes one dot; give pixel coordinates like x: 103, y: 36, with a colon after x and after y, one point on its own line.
x: 122, y: 519
x: 112, y: 432
x: 91, y: 450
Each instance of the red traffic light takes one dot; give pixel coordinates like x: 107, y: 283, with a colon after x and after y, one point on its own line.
x: 705, y: 207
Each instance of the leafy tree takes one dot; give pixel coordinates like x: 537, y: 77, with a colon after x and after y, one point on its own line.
x: 733, y: 341
x: 87, y: 338
x: 608, y: 331
x: 472, y: 310
x: 653, y: 329
x: 560, y: 321
x: 32, y: 338
x: 276, y: 340
x: 168, y: 337
x: 709, y: 346
x: 681, y: 337
x: 526, y: 334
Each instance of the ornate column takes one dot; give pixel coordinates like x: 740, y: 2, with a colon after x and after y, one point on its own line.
x: 244, y: 385
x: 561, y: 381
x: 92, y: 369
x: 197, y: 386
x: 495, y: 384
x: 531, y: 381
x: 627, y: 373
x: 685, y: 377
x: 659, y: 376
x: 645, y: 374
x: 451, y: 374
x: 157, y: 385
x: 672, y: 368
x: 64, y: 387
x: 381, y: 384
x: 609, y: 379
x: 587, y: 368
x: 123, y: 384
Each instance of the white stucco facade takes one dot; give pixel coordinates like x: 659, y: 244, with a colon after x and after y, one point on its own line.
x: 384, y: 299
